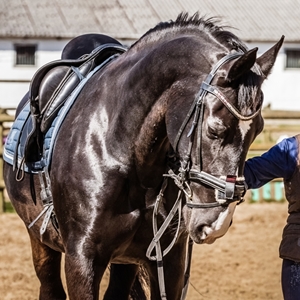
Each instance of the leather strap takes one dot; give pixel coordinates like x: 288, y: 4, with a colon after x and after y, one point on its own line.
x: 217, y: 93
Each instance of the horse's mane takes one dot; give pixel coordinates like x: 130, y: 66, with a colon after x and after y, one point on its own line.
x: 209, y: 25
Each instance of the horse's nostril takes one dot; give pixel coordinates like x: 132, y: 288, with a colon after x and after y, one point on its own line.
x: 200, y: 228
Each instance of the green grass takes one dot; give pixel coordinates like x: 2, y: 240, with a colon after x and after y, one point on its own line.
x: 8, y: 208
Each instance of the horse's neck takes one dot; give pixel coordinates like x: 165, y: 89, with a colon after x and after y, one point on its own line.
x: 136, y: 109
x: 133, y: 128
x: 145, y: 95
x: 144, y: 89
x: 151, y: 146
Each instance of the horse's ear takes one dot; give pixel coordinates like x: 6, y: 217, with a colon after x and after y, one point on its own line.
x: 242, y: 65
x: 266, y: 61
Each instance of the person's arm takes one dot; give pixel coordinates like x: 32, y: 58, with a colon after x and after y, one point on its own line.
x: 279, y: 162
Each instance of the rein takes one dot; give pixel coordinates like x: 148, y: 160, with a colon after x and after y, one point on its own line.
x: 229, y: 189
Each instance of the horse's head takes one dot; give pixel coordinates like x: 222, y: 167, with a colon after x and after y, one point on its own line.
x: 212, y: 134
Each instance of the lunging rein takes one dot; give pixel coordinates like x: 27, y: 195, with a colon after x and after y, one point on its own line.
x: 229, y: 190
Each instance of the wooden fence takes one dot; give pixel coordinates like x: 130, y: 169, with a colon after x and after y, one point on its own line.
x: 6, y: 118
x: 277, y: 125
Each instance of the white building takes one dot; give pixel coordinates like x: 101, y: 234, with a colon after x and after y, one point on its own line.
x: 34, y: 32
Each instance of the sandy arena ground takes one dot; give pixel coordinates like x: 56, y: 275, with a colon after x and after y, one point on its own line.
x: 243, y: 265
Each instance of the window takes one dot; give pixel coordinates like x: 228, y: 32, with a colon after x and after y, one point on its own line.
x: 293, y: 59
x: 25, y: 55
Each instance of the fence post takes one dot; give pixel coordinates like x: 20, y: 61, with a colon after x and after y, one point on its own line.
x: 4, y: 117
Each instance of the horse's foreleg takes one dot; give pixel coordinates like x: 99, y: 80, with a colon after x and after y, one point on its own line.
x: 47, y: 267
x: 84, y: 270
x: 174, y: 269
x: 121, y: 281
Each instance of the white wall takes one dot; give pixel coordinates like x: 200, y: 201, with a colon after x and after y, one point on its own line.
x: 15, y: 80
x: 281, y: 89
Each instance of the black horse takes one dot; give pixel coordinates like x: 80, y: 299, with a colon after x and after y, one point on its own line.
x: 162, y: 129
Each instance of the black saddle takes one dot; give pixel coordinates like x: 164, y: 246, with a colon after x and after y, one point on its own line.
x: 51, y: 85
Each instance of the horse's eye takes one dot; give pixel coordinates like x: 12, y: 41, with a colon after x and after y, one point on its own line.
x: 215, y: 128
x: 212, y: 133
x: 216, y: 132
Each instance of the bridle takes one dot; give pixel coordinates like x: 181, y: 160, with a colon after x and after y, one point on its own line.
x: 229, y: 189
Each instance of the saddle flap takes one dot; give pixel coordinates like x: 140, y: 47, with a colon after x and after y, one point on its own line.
x: 50, y: 84
x: 64, y: 88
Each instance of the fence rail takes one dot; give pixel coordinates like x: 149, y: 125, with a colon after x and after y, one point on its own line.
x: 277, y: 124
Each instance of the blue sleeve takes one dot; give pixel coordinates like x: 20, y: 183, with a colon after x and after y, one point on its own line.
x: 279, y: 162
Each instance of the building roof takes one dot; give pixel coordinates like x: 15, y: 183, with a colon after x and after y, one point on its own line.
x: 253, y: 20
